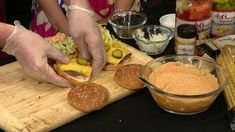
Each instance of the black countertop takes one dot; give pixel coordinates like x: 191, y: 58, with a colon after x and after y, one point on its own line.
x: 138, y: 112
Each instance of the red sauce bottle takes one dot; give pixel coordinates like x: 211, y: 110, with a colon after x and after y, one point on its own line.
x: 195, y: 12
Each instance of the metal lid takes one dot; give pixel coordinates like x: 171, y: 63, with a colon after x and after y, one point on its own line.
x: 186, y: 31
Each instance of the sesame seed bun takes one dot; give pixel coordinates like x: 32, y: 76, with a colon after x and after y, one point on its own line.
x: 88, y: 97
x: 127, y: 76
x: 111, y: 67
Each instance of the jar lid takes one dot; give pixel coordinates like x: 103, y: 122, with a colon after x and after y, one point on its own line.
x: 186, y: 31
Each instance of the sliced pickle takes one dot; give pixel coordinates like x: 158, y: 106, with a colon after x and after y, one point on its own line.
x: 83, y: 61
x: 107, y: 47
x: 117, y: 53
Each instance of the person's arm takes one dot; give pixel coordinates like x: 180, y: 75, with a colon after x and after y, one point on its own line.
x: 86, y: 33
x: 55, y: 15
x: 81, y: 3
x: 5, y: 32
x: 32, y: 51
x: 124, y: 4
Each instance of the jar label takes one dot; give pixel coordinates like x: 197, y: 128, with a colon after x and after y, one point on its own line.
x: 223, y: 23
x: 203, y: 27
x: 184, y: 49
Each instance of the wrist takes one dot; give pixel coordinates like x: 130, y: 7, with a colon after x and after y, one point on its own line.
x: 17, y: 24
x: 80, y: 9
x: 5, y: 31
x: 10, y: 42
x: 13, y: 39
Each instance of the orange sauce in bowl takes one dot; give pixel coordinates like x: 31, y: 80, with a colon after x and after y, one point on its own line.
x: 183, y: 79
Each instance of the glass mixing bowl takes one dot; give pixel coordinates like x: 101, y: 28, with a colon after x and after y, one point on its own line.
x: 152, y: 39
x: 125, y: 22
x: 182, y: 103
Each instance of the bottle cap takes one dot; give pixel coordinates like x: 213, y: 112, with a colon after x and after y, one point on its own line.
x: 186, y: 31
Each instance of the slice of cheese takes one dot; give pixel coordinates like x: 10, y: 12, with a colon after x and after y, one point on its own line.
x: 74, y: 66
x: 114, y: 44
x: 113, y: 60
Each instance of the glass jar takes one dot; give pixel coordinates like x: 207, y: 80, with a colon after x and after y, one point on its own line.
x: 195, y: 12
x: 186, y: 41
x: 223, y: 18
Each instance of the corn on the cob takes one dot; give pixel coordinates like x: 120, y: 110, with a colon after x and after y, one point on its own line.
x: 227, y: 61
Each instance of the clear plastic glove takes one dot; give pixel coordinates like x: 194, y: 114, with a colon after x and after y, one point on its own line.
x: 87, y: 36
x: 32, y: 51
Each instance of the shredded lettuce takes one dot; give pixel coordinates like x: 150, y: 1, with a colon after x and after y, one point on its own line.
x: 108, y: 38
x: 63, y: 43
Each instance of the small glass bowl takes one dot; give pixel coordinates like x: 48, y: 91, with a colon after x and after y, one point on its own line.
x: 185, y: 104
x: 125, y: 22
x: 152, y: 39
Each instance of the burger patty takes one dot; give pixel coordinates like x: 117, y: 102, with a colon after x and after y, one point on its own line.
x: 73, y: 73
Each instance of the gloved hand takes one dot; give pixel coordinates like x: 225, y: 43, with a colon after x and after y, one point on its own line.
x: 32, y: 51
x: 87, y: 37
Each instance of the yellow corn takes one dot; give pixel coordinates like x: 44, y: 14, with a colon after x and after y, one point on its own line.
x: 227, y: 61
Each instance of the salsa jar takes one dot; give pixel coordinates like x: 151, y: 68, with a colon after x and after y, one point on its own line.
x: 223, y: 18
x: 195, y: 12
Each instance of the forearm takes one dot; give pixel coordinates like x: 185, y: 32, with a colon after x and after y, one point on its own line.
x: 124, y: 4
x: 81, y: 3
x: 5, y: 32
x: 55, y: 15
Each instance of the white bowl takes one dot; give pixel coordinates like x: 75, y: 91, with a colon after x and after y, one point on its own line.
x: 168, y: 20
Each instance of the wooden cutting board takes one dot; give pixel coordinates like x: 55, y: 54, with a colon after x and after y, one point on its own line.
x: 29, y: 105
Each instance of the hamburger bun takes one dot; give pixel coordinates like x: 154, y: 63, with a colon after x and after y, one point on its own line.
x: 75, y: 71
x: 88, y: 97
x: 116, y: 53
x: 112, y: 67
x: 72, y: 76
x: 127, y: 76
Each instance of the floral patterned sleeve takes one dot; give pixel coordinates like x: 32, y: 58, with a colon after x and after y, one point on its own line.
x: 41, y: 25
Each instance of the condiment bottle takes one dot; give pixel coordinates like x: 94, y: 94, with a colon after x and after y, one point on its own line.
x: 185, y: 41
x: 196, y: 12
x: 223, y: 18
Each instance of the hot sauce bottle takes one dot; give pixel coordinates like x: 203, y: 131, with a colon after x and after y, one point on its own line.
x: 195, y: 12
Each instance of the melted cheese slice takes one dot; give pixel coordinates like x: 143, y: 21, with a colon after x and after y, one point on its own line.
x: 74, y: 66
x: 113, y: 60
x: 114, y: 44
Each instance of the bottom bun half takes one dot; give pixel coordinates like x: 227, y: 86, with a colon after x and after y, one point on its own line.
x: 72, y: 78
